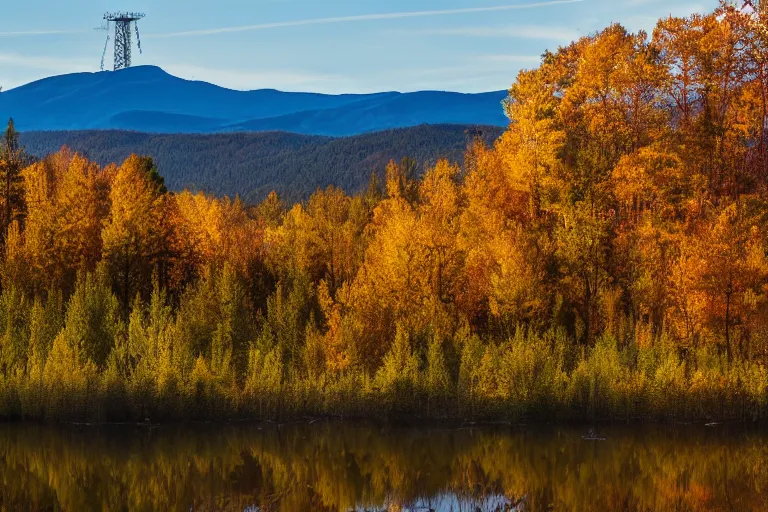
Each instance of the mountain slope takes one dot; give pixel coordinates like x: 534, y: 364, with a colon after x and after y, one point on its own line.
x: 385, y: 113
x: 253, y: 164
x: 146, y: 98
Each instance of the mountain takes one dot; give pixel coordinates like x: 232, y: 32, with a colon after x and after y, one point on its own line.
x: 147, y: 99
x: 252, y: 164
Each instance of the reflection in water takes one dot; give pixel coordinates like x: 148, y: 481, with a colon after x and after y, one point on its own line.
x: 340, y: 467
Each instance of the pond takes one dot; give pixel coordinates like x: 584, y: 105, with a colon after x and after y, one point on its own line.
x: 341, y: 466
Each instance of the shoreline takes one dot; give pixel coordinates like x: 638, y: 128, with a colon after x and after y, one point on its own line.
x: 426, y: 424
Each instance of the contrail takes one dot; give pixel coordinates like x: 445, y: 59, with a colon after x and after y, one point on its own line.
x: 42, y: 33
x: 364, y: 17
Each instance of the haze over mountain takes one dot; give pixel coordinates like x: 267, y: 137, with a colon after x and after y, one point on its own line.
x: 147, y: 99
x: 253, y: 164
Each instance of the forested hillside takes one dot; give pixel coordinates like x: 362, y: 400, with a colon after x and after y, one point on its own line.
x: 606, y: 258
x: 253, y: 164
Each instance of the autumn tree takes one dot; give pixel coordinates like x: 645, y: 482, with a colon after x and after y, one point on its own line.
x: 209, y: 233
x: 66, y: 197
x: 734, y: 269
x: 136, y: 231
x: 582, y: 251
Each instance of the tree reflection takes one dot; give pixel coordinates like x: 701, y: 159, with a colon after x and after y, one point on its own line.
x: 342, y: 467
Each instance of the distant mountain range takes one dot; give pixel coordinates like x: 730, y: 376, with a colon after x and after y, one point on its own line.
x: 147, y: 99
x: 253, y: 164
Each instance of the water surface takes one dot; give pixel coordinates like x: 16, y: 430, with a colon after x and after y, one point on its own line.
x: 334, y: 466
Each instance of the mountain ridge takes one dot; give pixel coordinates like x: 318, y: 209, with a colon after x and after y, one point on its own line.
x: 148, y: 99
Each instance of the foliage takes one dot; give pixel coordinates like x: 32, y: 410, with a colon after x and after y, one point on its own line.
x: 606, y: 258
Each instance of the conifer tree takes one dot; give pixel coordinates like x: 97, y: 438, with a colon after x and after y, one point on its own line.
x: 471, y: 356
x: 438, y: 381
x: 14, y: 332
x: 45, y: 322
x: 12, y: 161
x: 397, y: 377
x: 81, y: 350
x: 264, y: 379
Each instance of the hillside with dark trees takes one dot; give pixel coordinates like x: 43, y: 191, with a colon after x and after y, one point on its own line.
x: 253, y: 164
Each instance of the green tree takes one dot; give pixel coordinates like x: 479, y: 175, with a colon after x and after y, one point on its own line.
x: 469, y: 376
x: 14, y: 332
x: 264, y: 380
x: 437, y: 380
x: 397, y: 377
x: 92, y: 322
x: 46, y: 321
x: 12, y: 161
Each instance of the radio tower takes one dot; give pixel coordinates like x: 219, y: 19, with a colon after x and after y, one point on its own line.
x: 122, y: 21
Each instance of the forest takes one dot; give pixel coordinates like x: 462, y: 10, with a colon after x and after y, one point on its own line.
x: 605, y: 258
x: 251, y: 165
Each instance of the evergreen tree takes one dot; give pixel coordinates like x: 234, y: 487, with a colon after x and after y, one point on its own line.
x: 14, y: 332
x: 264, y: 380
x: 397, y: 377
x: 12, y: 161
x: 92, y: 328
x: 471, y: 356
x: 437, y: 381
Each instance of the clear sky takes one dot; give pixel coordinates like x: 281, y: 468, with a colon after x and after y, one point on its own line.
x: 331, y: 46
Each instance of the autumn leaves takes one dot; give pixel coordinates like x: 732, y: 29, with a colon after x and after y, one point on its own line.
x: 607, y: 257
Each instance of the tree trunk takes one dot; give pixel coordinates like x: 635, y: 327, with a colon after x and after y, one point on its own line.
x: 728, y: 325
x: 587, y: 312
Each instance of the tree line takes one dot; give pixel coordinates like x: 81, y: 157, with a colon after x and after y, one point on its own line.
x: 605, y: 258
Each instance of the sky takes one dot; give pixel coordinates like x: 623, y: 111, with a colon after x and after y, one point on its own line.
x: 328, y: 46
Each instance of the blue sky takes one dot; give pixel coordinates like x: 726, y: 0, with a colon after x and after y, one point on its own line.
x: 331, y: 46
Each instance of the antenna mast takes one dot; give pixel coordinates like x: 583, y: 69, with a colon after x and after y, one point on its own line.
x: 123, y: 21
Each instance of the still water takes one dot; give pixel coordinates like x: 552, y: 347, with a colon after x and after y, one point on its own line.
x: 334, y: 466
